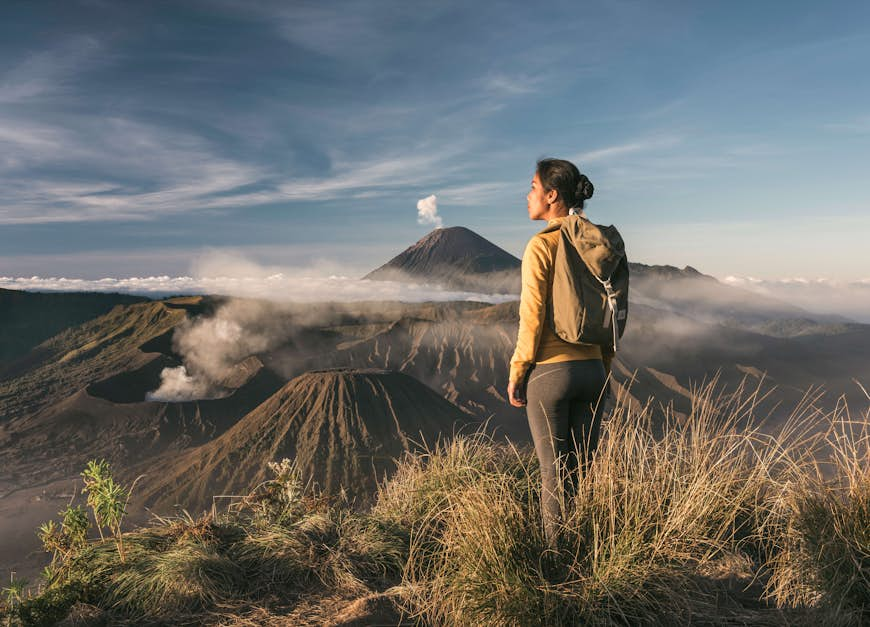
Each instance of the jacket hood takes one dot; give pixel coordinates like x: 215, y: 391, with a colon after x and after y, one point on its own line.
x: 600, y: 247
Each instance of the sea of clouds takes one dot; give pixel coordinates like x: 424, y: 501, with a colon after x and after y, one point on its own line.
x: 232, y: 274
x: 281, y: 287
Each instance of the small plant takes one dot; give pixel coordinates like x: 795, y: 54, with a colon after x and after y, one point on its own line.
x: 108, y: 500
x: 94, y: 476
x: 75, y: 526
x: 280, y: 498
x: 14, y: 594
x: 52, y: 539
x: 287, y: 479
x: 67, y: 539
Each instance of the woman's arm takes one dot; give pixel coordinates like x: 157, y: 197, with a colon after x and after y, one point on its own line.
x: 533, y: 307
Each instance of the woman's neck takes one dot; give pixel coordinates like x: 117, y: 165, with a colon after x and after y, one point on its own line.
x: 555, y: 211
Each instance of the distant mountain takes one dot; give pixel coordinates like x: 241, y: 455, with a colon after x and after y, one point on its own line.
x: 667, y: 273
x: 457, y: 258
x: 345, y: 428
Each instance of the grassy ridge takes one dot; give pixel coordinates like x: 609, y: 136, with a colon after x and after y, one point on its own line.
x: 710, y: 521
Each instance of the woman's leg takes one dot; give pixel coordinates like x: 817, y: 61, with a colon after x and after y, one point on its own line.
x: 549, y: 411
x: 561, y: 420
x: 587, y: 407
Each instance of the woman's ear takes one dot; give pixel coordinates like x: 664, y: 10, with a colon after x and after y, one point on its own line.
x: 552, y: 195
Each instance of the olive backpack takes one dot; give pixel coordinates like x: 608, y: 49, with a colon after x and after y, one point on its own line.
x: 589, y: 299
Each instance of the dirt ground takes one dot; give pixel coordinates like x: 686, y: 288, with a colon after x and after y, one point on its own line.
x: 22, y: 511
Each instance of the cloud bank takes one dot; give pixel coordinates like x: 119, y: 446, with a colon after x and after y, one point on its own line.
x: 281, y: 287
x: 227, y: 274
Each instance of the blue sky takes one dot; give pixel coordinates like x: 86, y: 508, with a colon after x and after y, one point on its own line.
x: 136, y: 137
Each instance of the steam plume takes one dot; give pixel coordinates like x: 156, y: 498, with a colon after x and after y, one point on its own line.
x: 427, y: 211
x: 213, y: 347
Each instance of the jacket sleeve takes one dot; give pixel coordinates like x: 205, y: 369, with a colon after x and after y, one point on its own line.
x: 533, y: 306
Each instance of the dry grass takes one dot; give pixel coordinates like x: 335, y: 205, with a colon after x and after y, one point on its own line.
x: 672, y: 524
x: 710, y: 520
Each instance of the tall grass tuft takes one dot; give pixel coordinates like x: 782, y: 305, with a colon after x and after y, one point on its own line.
x: 824, y: 556
x: 661, y: 512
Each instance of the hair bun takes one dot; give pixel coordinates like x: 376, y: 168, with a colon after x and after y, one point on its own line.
x: 584, y: 188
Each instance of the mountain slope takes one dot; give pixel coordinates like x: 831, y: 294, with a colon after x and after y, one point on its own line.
x: 97, y: 349
x: 29, y: 318
x: 344, y: 428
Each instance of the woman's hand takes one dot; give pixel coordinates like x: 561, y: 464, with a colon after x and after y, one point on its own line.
x: 516, y: 394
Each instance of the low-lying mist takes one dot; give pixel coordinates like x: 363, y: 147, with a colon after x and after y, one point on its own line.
x: 821, y: 296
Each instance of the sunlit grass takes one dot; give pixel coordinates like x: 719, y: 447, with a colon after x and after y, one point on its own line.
x: 712, y: 518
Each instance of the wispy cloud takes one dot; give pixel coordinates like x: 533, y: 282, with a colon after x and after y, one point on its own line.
x: 136, y: 171
x: 140, y: 171
x: 385, y: 174
x: 504, y: 84
x: 611, y: 153
x: 89, y: 166
x: 482, y: 193
x: 48, y: 71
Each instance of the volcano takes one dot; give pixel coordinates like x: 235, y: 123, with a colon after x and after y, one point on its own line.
x: 344, y: 427
x: 457, y: 258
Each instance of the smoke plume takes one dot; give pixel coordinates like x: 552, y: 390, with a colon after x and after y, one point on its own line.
x: 427, y: 211
x: 213, y: 347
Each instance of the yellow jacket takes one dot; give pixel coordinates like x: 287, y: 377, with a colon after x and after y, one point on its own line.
x: 536, y: 341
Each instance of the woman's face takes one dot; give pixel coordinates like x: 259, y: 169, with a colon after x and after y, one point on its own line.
x: 538, y: 202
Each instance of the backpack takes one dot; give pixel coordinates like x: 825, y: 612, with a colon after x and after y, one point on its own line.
x: 589, y: 298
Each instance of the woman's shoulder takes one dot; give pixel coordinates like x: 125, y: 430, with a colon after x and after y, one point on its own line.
x: 541, y: 245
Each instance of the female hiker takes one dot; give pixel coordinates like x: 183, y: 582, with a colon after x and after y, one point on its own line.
x: 559, y: 383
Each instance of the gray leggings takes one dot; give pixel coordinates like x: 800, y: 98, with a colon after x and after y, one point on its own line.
x: 564, y: 406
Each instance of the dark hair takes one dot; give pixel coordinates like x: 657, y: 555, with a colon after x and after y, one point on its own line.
x: 563, y: 176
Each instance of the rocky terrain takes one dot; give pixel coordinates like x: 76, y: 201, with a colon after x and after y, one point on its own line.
x: 79, y: 392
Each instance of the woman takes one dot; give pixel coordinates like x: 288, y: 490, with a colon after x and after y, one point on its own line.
x: 560, y: 384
